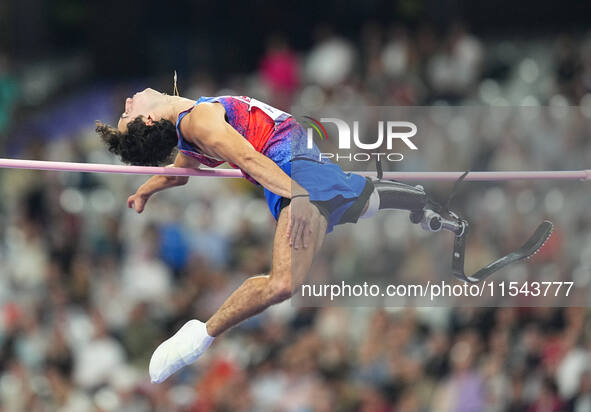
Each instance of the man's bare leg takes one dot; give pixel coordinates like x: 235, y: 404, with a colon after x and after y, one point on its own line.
x: 259, y: 292
x: 252, y: 297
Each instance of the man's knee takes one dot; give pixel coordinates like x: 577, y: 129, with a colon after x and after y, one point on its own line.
x: 280, y: 289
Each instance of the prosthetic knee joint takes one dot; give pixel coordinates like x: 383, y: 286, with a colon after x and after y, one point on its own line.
x: 395, y: 195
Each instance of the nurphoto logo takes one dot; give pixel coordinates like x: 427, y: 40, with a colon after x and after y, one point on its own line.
x: 388, y: 132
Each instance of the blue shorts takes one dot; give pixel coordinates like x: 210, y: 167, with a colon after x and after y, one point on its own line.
x: 333, y: 190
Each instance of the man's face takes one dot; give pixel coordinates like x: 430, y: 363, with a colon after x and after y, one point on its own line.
x: 141, y: 104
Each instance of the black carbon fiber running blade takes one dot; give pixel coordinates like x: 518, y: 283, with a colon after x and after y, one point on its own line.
x: 529, y: 248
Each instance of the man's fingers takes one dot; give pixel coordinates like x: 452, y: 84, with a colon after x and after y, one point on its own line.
x: 296, y: 238
x: 139, y: 206
x: 136, y: 203
x: 293, y: 235
x: 289, y: 223
x: 306, y: 231
x: 297, y: 241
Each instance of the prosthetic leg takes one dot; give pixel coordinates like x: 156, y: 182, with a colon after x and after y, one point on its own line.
x: 433, y: 218
x: 423, y: 211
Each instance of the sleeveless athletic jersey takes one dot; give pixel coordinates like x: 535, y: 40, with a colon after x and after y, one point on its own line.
x: 281, y: 138
x: 270, y: 131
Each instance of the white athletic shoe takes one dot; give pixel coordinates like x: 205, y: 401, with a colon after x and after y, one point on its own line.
x: 183, y: 348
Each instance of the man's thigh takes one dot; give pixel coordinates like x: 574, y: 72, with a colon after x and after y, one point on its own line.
x: 289, y: 264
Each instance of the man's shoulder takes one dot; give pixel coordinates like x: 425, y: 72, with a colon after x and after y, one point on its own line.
x: 204, y: 120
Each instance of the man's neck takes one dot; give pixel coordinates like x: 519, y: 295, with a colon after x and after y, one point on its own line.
x: 175, y: 105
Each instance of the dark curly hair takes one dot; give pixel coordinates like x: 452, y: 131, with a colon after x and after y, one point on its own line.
x: 141, y: 145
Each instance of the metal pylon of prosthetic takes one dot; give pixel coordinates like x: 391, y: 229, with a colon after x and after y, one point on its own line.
x: 434, y: 217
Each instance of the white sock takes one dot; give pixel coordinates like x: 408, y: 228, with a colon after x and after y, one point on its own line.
x: 183, y: 348
x: 374, y: 205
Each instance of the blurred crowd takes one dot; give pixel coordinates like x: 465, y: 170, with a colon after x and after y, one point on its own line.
x: 88, y: 288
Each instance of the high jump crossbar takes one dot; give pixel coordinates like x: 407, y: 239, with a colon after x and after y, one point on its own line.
x: 209, y: 172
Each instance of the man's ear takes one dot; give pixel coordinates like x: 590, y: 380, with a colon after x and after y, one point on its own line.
x: 150, y: 120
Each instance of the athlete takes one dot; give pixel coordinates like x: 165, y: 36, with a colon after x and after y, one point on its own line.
x: 306, y: 195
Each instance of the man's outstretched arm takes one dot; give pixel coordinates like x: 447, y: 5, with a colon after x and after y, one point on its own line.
x: 158, y: 183
x: 206, y: 127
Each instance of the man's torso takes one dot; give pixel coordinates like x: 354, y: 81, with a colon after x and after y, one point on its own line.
x: 272, y: 132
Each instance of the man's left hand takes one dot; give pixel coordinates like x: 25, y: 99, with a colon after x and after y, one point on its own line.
x: 300, y: 212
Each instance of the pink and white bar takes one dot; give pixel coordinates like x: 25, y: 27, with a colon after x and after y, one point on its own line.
x: 208, y: 172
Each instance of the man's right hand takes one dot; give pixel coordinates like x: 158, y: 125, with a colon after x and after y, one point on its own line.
x: 137, y: 201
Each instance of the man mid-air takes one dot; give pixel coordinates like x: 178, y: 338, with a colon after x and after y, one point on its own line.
x: 267, y: 145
